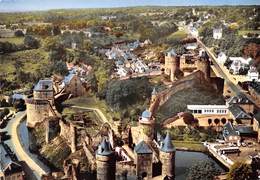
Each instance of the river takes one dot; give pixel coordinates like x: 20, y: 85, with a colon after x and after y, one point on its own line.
x: 184, y: 160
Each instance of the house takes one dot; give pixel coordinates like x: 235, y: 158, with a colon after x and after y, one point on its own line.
x: 191, y: 46
x: 2, y: 26
x: 221, y: 58
x: 217, y: 33
x: 239, y: 115
x: 253, y: 74
x: 10, y: 168
x: 254, y: 90
x: 242, y: 101
x: 194, y: 32
x: 238, y: 63
x: 208, y: 109
x: 73, y: 85
x: 230, y: 134
x: 122, y: 72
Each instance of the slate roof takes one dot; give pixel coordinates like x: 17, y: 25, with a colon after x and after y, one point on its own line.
x: 142, y: 148
x: 171, y: 53
x: 154, y: 91
x: 245, y: 129
x: 44, y: 85
x: 68, y: 78
x: 104, y: 149
x: 255, y: 86
x: 238, y: 112
x: 229, y: 130
x: 240, y: 99
x: 6, y: 161
x: 146, y: 114
x: 166, y: 145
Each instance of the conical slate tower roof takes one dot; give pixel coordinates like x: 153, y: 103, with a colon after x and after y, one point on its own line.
x: 167, y: 145
x: 104, y: 149
x: 154, y: 91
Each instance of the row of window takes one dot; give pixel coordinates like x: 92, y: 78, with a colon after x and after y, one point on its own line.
x: 219, y: 111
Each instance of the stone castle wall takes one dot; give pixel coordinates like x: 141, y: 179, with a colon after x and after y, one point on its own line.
x: 106, y: 167
x: 168, y: 164
x: 37, y: 111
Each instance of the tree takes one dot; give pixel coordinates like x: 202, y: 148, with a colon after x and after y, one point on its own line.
x: 188, y: 119
x: 31, y: 42
x: 56, y: 30
x: 223, y: 121
x: 209, y: 121
x: 19, y: 33
x: 203, y: 170
x: 20, y: 105
x: 240, y: 171
x: 216, y: 121
x: 60, y: 68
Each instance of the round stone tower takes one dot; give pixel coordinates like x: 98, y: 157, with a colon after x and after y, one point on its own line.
x: 167, y: 157
x: 106, y: 162
x: 203, y: 64
x: 146, y: 124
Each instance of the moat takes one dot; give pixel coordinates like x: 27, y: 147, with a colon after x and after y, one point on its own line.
x: 184, y: 160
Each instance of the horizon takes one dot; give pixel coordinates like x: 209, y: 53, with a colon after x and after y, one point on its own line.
x: 33, y: 5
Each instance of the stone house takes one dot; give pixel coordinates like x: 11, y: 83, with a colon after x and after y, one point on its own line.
x: 10, y: 168
x: 238, y: 63
x: 221, y: 58
x: 217, y: 33
x: 230, y: 134
x: 73, y: 85
x: 253, y: 74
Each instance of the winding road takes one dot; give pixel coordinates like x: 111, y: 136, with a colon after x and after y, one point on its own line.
x: 21, y: 147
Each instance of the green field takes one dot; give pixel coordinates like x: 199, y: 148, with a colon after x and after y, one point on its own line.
x: 15, y: 40
x: 181, y: 34
x: 245, y: 32
x: 28, y: 61
x: 190, y: 145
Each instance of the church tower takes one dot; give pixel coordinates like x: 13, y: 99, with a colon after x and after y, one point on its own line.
x: 106, y: 161
x: 167, y: 157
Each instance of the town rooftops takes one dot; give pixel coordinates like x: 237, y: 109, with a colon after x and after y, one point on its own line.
x: 255, y: 86
x: 238, y: 112
x: 166, y: 144
x: 142, y: 148
x: 68, y: 78
x: 44, y: 85
x: 241, y: 59
x: 7, y: 163
x: 104, y: 149
x: 245, y: 129
x: 229, y: 130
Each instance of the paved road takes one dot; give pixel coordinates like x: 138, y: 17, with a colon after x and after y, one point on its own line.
x: 99, y: 113
x: 20, y: 148
x: 235, y: 88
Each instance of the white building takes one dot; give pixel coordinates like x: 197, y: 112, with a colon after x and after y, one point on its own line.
x: 221, y: 58
x: 122, y: 72
x: 238, y: 63
x: 217, y: 33
x: 253, y: 74
x: 194, y: 32
x: 208, y: 109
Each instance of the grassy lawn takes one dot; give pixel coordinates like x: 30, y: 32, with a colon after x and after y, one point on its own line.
x: 30, y: 60
x: 244, y: 32
x: 179, y: 101
x: 15, y: 40
x: 189, y: 145
x: 93, y: 102
x: 178, y: 35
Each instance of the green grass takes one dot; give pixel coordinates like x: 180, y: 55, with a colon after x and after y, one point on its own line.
x: 189, y: 145
x: 92, y: 102
x: 31, y: 61
x: 15, y: 40
x: 245, y: 32
x: 181, y: 34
